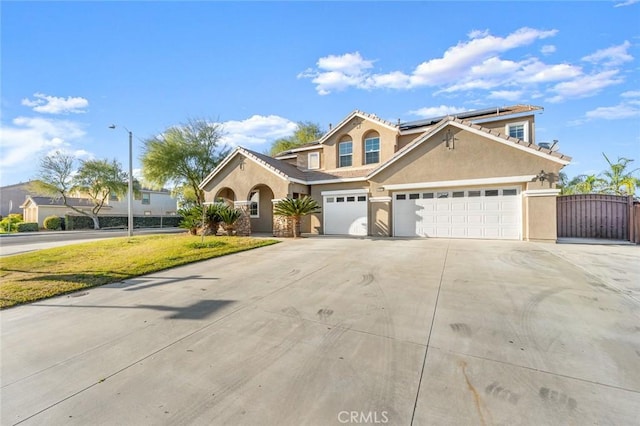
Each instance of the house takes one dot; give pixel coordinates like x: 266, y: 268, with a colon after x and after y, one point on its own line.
x: 478, y: 174
x: 146, y: 203
x: 12, y: 196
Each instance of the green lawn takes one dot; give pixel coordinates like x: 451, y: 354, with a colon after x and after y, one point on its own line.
x: 33, y: 276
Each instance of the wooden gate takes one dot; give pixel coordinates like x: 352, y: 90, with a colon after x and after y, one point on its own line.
x: 595, y: 216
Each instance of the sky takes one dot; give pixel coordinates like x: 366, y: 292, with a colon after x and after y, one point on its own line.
x: 70, y: 69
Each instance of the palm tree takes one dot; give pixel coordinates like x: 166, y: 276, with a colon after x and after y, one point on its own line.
x: 618, y: 180
x: 229, y: 216
x: 295, y: 209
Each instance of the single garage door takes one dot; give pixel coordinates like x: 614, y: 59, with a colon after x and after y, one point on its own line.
x: 345, y: 214
x: 493, y: 213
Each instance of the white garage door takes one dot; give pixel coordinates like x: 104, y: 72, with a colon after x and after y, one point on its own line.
x: 458, y: 213
x: 345, y: 214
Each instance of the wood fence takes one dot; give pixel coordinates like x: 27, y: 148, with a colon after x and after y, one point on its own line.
x: 610, y: 217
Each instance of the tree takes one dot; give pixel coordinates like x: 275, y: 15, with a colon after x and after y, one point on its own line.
x: 95, y: 179
x: 583, y: 184
x: 183, y: 156
x: 305, y: 132
x: 296, y: 208
x: 618, y: 180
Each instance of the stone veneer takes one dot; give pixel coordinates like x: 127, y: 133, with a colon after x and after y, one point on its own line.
x: 243, y: 225
x: 282, y: 226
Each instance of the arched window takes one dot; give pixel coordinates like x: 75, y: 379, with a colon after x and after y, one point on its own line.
x: 372, y: 148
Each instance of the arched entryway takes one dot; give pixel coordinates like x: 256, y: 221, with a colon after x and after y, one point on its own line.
x: 260, y: 208
x: 225, y: 195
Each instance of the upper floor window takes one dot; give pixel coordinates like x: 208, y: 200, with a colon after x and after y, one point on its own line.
x: 345, y: 151
x: 146, y: 198
x: 372, y: 150
x: 113, y: 196
x: 518, y: 130
x: 313, y: 160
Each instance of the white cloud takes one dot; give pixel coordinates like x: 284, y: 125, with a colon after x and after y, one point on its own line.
x: 548, y: 49
x: 584, y: 86
x: 626, y: 3
x: 612, y: 56
x: 509, y: 95
x: 256, y: 130
x: 30, y: 137
x: 479, y: 54
x: 437, y: 111
x: 618, y: 112
x: 55, y: 105
x: 631, y: 94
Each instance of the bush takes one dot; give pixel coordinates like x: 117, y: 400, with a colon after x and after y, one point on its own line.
x: 28, y: 227
x: 53, y: 223
x: 11, y: 222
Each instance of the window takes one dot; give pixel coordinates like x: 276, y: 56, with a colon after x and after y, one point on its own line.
x: 414, y: 196
x: 351, y: 199
x: 146, y: 198
x: 509, y: 192
x: 427, y: 195
x: 491, y: 193
x: 313, y: 160
x: 362, y: 198
x: 340, y: 200
x: 401, y: 196
x: 372, y: 150
x: 474, y: 193
x: 518, y: 130
x: 330, y: 199
x: 443, y: 195
x: 345, y: 150
x: 458, y: 194
x: 254, y: 204
x: 113, y: 196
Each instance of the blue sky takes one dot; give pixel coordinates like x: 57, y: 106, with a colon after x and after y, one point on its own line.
x: 70, y: 69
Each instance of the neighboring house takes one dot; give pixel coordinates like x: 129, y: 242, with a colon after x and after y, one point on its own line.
x: 146, y: 203
x: 478, y: 174
x: 12, y: 197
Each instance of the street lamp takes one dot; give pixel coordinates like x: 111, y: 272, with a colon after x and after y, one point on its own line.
x: 130, y: 191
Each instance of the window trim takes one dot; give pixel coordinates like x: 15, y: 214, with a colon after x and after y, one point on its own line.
x: 317, y: 160
x: 145, y: 201
x: 350, y: 154
x: 373, y: 151
x: 525, y: 129
x: 255, y: 193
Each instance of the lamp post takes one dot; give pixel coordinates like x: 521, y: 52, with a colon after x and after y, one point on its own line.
x: 130, y: 190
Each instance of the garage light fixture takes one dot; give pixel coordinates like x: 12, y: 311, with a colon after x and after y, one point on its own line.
x: 542, y: 176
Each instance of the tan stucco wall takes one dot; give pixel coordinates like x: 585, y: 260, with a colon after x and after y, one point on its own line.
x: 358, y: 129
x: 243, y: 179
x: 380, y: 219
x: 500, y: 125
x: 473, y: 157
x: 541, y: 223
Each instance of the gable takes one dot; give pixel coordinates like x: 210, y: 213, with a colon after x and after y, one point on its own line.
x: 473, y: 156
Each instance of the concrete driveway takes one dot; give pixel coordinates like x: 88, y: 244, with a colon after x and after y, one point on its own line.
x: 330, y: 331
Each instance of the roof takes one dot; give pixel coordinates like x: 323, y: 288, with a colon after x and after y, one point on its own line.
x: 57, y: 201
x: 290, y: 172
x: 479, y: 114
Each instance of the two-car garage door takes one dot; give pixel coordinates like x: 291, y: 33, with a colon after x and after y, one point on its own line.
x: 493, y: 213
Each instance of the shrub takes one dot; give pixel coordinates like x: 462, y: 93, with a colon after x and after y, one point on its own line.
x: 229, y: 216
x: 10, y: 222
x: 28, y: 227
x: 53, y: 223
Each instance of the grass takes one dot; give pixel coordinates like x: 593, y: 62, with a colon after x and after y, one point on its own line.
x: 28, y: 277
